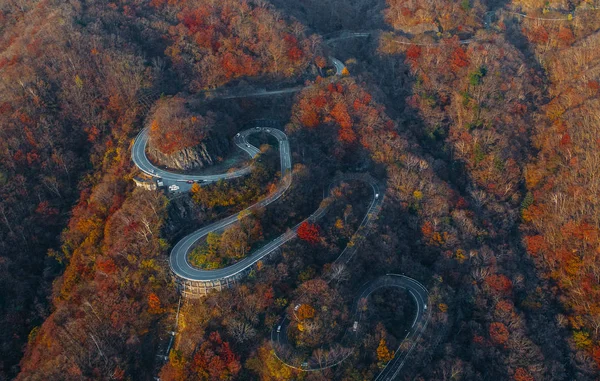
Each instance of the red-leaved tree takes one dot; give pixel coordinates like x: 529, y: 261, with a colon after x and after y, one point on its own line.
x: 309, y: 232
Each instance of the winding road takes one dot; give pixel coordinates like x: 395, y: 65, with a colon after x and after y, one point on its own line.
x: 351, y: 335
x: 183, y: 269
x: 178, y: 260
x: 420, y: 295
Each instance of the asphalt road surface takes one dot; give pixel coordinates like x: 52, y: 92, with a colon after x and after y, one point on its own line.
x: 420, y: 296
x: 178, y: 259
x: 182, y: 268
x: 339, y: 65
x: 138, y: 155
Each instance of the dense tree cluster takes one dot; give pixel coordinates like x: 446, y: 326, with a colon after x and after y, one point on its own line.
x: 487, y: 150
x: 486, y: 92
x: 441, y: 16
x: 343, y: 113
x: 217, y: 41
x: 113, y: 288
x: 174, y: 127
x: 221, y: 250
x: 213, y: 360
x: 309, y: 232
x: 319, y: 316
x: 562, y: 214
x: 240, y: 192
x: 67, y: 98
x: 549, y: 38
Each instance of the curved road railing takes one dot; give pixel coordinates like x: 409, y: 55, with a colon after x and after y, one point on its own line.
x: 182, y: 268
x: 419, y: 294
x: 179, y: 254
x: 178, y: 259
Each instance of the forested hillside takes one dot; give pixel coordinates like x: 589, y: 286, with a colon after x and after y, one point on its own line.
x: 76, y: 79
x: 455, y: 143
x: 561, y: 217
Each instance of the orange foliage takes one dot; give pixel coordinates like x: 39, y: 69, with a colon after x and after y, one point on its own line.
x: 535, y: 244
x: 341, y: 116
x: 309, y: 118
x: 154, y: 305
x: 498, y: 333
x: 218, y: 41
x: 320, y: 61
x: 504, y: 306
x: 107, y: 266
x: 565, y: 35
x: 343, y: 105
x: 522, y: 375
x: 215, y: 360
x: 174, y: 127
x: 539, y: 35
x: 499, y: 283
x: 305, y: 312
x: 413, y: 52
x: 459, y: 59
x: 427, y: 229
x: 596, y: 355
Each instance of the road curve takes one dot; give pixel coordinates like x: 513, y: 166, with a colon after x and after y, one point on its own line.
x: 416, y: 290
x: 419, y: 294
x: 182, y: 268
x: 138, y: 155
x: 339, y: 66
x: 178, y: 259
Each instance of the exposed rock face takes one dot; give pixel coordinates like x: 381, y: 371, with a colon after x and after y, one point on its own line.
x: 199, y: 156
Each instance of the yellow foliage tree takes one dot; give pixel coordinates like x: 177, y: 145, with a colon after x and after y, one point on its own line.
x: 305, y: 311
x: 268, y: 368
x: 383, y: 353
x: 582, y: 339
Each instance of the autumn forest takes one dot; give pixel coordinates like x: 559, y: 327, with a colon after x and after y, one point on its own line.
x: 357, y: 190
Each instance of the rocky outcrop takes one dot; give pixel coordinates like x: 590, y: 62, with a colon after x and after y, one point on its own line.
x: 202, y: 155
